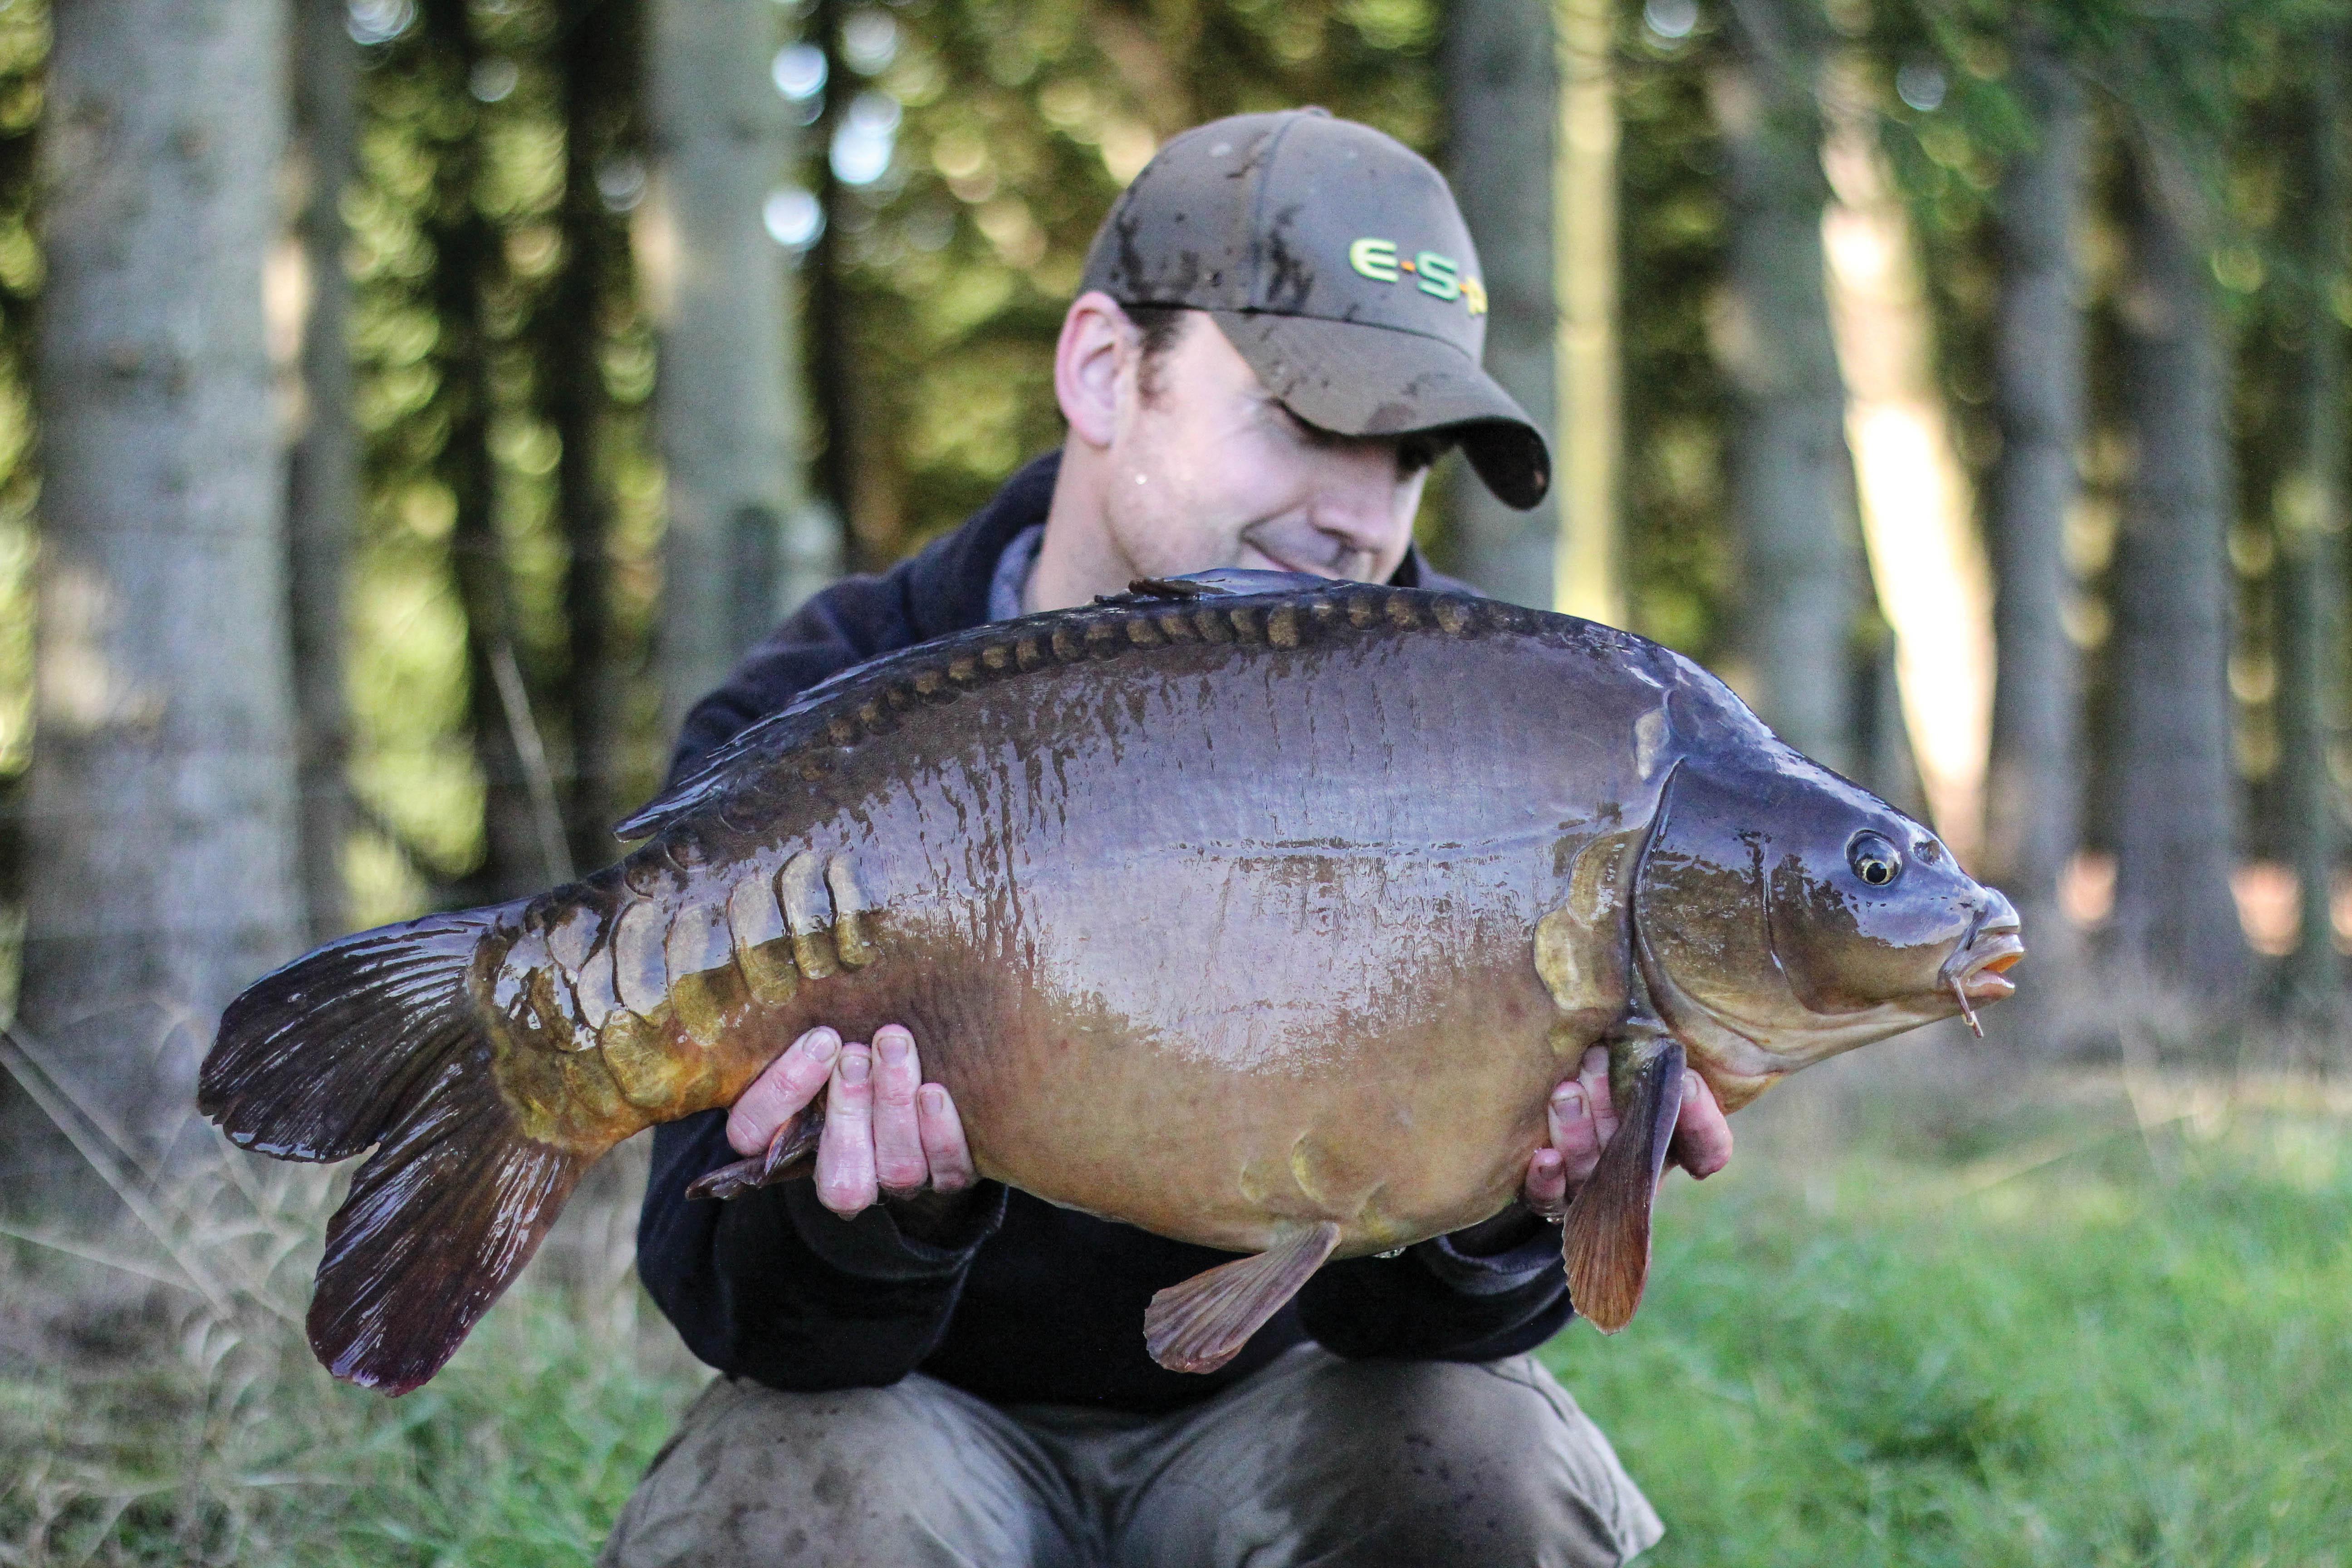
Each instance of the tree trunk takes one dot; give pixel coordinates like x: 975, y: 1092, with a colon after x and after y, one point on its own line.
x: 727, y: 402
x: 2177, y: 815
x: 162, y: 808
x: 1590, y: 408
x: 2311, y: 580
x: 2034, y: 784
x: 515, y: 858
x: 597, y: 61
x: 1502, y: 93
x: 322, y: 486
x: 1792, y: 486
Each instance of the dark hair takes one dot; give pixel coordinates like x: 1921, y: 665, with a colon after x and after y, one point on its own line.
x: 1157, y: 327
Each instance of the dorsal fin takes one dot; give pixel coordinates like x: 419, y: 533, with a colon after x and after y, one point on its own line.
x: 1224, y: 580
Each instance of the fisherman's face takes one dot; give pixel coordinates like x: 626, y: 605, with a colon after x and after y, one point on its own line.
x: 1209, y: 470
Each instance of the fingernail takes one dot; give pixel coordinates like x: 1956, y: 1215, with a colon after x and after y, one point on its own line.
x: 823, y: 1044
x: 935, y: 1099
x: 892, y: 1047
x: 1567, y: 1099
x: 856, y: 1066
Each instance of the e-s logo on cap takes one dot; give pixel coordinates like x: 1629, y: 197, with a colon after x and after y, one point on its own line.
x: 1437, y: 275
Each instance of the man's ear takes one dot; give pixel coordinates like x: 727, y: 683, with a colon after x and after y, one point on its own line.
x: 1097, y: 343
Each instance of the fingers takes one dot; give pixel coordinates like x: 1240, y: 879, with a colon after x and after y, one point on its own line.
x: 900, y: 1165
x: 1546, y: 1188
x: 844, y: 1153
x: 1580, y: 1123
x: 943, y: 1143
x: 1592, y: 1077
x: 1701, y: 1142
x: 782, y: 1091
x: 1576, y: 1132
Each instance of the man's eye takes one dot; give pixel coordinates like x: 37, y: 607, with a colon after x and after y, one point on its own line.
x: 1415, y: 453
x: 1298, y: 430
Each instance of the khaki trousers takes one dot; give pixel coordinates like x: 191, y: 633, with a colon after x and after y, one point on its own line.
x: 1314, y: 1460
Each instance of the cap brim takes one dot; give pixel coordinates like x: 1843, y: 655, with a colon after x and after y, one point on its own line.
x: 1355, y: 379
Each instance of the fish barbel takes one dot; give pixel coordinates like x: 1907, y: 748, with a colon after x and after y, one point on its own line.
x: 1259, y: 912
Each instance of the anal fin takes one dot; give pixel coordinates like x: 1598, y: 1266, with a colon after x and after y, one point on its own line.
x: 1606, y: 1240
x: 788, y: 1156
x: 1203, y: 1323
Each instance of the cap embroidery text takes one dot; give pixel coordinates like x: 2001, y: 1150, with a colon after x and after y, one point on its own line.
x: 1436, y: 275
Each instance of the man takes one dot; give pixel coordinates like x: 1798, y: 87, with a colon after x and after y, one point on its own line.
x: 1278, y: 329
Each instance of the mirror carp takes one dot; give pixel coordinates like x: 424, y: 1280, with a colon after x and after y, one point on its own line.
x: 1260, y: 911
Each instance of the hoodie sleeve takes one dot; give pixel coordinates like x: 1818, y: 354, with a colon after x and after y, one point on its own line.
x: 775, y: 1287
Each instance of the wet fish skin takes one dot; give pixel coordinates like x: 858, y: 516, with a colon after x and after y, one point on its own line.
x: 974, y: 972
x: 1241, y: 917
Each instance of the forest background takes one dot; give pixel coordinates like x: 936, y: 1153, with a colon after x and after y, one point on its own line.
x: 408, y: 406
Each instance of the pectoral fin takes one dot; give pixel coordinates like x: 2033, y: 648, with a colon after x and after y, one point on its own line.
x: 790, y: 1156
x: 1606, y: 1240
x: 1203, y: 1323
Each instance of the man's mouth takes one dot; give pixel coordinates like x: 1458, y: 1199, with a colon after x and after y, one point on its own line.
x: 1344, y: 560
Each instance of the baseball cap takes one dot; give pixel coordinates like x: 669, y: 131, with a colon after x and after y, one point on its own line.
x: 1333, y: 258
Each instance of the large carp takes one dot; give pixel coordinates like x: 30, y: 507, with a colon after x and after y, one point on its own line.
x: 1259, y: 912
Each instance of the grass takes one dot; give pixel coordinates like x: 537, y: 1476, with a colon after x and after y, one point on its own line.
x: 191, y: 1425
x: 522, y: 1453
x: 2124, y: 1344
x: 2078, y: 1329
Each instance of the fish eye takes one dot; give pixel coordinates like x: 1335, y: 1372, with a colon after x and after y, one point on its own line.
x: 1874, y: 860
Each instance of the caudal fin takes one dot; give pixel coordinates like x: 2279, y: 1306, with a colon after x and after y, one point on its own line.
x: 376, y: 1040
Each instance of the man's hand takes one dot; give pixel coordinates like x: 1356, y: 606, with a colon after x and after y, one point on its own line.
x: 1582, y: 1121
x: 886, y: 1132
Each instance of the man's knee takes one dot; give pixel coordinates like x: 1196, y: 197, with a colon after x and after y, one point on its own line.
x: 908, y: 1474
x: 1440, y: 1461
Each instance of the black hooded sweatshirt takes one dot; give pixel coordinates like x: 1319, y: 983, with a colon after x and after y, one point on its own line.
x: 1018, y: 1301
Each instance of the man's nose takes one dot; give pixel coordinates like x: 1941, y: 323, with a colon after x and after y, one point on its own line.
x: 1355, y: 500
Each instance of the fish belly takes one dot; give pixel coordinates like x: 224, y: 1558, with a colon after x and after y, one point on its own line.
x: 1277, y: 1048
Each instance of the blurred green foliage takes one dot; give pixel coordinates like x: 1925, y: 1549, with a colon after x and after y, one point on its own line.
x: 1679, y: 559
x: 455, y: 256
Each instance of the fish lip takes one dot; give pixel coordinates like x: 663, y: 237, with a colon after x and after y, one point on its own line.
x: 1976, y: 964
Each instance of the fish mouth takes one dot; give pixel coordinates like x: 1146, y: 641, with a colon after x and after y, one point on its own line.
x: 1976, y: 970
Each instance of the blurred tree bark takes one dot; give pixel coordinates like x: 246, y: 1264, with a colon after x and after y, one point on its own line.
x: 516, y: 858
x: 730, y: 425
x: 2176, y: 810
x: 162, y: 804
x: 1589, y: 434
x: 1502, y: 92
x: 2033, y: 807
x: 597, y: 58
x: 322, y: 478
x: 1792, y: 485
x: 2311, y: 516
